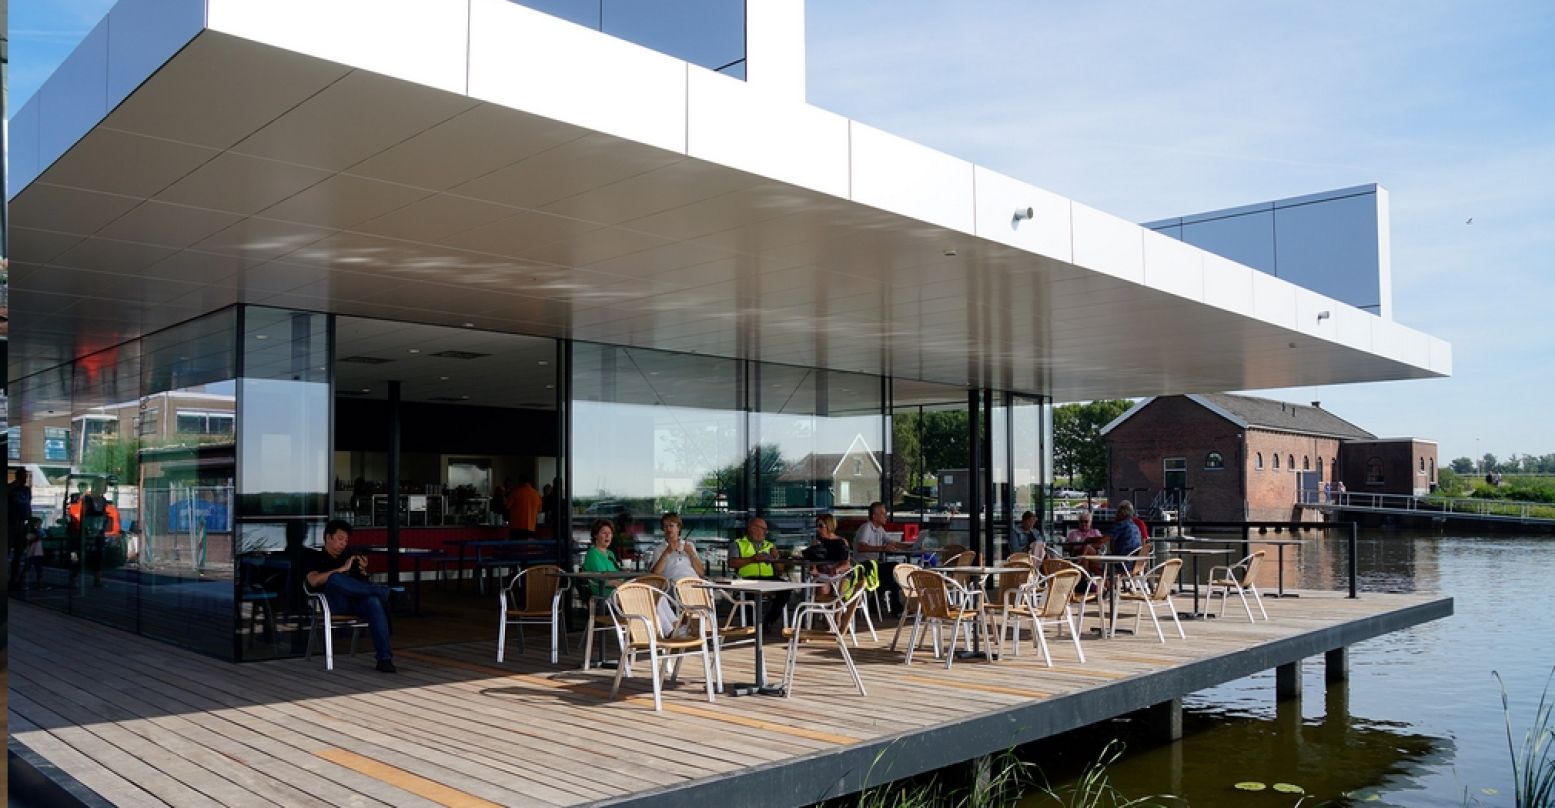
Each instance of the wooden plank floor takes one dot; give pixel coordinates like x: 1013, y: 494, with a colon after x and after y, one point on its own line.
x: 142, y: 723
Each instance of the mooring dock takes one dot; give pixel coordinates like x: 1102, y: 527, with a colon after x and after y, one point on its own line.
x: 110, y: 718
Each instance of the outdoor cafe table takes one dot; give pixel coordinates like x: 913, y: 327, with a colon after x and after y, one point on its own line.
x: 1195, y: 552
x: 1115, y: 564
x: 981, y: 574
x: 481, y: 545
x: 595, y: 599
x: 760, y: 589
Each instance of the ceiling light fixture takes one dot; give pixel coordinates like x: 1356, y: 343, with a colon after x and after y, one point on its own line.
x: 469, y: 325
x: 543, y: 362
x: 1324, y: 315
x: 261, y: 336
x: 415, y: 350
x: 442, y: 378
x: 1025, y: 213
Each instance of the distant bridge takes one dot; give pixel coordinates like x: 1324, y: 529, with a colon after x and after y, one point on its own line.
x: 1486, y: 510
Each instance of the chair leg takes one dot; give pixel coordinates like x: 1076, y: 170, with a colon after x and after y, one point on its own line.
x: 1245, y: 605
x: 556, y: 630
x: 329, y: 647
x: 1154, y: 621
x: 588, y: 642
x: 912, y: 640
x: 502, y: 638
x: 1171, y: 609
x: 313, y: 624
x: 868, y: 620
x: 898, y: 633
x: 615, y: 686
x: 1258, y: 599
x: 1075, y: 636
x: 955, y: 634
x: 521, y: 648
x: 853, y: 669
x: 653, y: 665
x: 1041, y: 635
x: 708, y: 668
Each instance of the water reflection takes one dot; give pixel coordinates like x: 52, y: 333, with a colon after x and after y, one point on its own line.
x: 1420, y: 723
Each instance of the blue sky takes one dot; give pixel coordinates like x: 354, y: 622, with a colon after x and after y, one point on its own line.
x: 1148, y: 110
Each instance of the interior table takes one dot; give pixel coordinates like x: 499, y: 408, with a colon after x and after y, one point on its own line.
x: 417, y: 555
x: 759, y: 589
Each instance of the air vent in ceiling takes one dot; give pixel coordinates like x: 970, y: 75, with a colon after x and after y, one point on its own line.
x: 367, y: 360
x: 458, y: 355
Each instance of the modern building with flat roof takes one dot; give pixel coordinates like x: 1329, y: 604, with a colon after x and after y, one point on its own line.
x: 407, y: 251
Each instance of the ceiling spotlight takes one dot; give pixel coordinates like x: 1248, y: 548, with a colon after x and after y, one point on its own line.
x: 261, y: 336
x: 1025, y: 213
x: 550, y: 387
x: 1323, y: 315
x: 415, y: 350
x: 543, y: 362
x: 367, y: 389
x: 469, y: 325
x: 442, y: 378
x: 464, y: 398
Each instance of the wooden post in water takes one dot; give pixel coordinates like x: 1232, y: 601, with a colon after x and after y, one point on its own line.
x: 1287, y: 681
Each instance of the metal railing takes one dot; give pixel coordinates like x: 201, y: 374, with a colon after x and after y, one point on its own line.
x: 1429, y: 506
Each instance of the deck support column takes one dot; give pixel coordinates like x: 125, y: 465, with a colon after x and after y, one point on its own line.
x: 1336, y: 665
x: 981, y: 770
x: 1287, y: 681
x: 1163, y: 721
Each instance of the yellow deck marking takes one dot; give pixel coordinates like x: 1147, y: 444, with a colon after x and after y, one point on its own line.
x: 404, y: 780
x: 604, y: 692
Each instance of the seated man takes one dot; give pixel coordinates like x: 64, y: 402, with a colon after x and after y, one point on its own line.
x: 1026, y: 537
x: 752, y: 558
x: 871, y: 538
x: 341, y: 577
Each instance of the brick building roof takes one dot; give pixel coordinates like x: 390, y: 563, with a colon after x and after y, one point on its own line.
x: 1250, y: 412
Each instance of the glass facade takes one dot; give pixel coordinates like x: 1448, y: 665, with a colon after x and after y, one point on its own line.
x: 709, y: 33
x: 218, y: 448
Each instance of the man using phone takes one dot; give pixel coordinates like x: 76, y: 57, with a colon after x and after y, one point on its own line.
x: 341, y: 576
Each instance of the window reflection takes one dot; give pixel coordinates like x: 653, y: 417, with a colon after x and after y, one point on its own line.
x: 709, y: 33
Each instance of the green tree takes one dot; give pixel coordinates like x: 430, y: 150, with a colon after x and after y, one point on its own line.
x: 1488, y: 463
x: 1463, y: 465
x: 1078, y: 447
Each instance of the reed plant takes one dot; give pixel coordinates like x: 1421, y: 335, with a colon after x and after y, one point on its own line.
x: 1012, y: 782
x: 1533, y: 762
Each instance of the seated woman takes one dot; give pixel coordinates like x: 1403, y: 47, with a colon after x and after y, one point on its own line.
x: 830, y: 549
x: 677, y: 558
x: 599, y: 559
x: 1095, y: 542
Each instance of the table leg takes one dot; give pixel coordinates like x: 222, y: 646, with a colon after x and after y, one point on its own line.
x: 460, y: 569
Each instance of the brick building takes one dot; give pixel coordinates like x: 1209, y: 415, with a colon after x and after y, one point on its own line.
x: 1231, y: 457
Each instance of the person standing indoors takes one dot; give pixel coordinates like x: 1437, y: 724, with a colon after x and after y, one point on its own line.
x: 19, y: 504
x: 753, y: 558
x: 340, y: 575
x: 523, y: 506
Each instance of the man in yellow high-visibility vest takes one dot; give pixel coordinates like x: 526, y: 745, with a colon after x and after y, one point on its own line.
x: 753, y: 557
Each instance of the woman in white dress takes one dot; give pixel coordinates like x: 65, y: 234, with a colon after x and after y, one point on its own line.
x: 677, y: 558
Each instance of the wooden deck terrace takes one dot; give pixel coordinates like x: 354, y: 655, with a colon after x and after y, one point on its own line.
x: 111, y: 718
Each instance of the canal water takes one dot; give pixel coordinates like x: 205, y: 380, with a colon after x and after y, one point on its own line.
x: 1420, y: 722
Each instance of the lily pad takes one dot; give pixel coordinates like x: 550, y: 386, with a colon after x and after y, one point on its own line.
x: 1288, y: 788
x: 1250, y: 786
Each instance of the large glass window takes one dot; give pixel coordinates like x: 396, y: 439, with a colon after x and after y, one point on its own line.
x: 105, y: 396
x: 931, y: 459
x: 184, y: 550
x: 655, y: 432
x: 710, y: 33
x: 1019, y: 468
x: 821, y: 443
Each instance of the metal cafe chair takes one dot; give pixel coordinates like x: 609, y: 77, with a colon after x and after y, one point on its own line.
x: 1154, y: 589
x: 1226, y: 579
x: 543, y: 597
x: 635, y: 606
x: 1046, y: 600
x: 322, y: 617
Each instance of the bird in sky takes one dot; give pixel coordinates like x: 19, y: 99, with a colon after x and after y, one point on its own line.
x: 1470, y: 221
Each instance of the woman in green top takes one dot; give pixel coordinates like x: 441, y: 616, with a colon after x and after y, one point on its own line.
x: 598, y: 557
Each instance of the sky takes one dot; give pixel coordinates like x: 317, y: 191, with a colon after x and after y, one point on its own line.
x: 1151, y: 110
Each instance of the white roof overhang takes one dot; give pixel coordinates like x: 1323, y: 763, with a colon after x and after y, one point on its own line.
x: 484, y: 163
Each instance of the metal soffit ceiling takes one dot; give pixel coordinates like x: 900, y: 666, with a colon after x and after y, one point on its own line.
x: 330, y: 189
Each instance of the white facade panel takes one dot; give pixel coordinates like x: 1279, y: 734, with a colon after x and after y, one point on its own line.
x: 144, y: 34
x: 729, y: 124
x: 414, y: 40
x: 1352, y: 327
x: 1173, y: 266
x: 1399, y: 343
x: 1441, y: 355
x: 1046, y: 233
x: 1227, y: 284
x: 1309, y: 305
x: 775, y: 48
x: 895, y: 174
x: 75, y: 98
x: 1274, y: 300
x: 1108, y: 244
x: 537, y: 63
